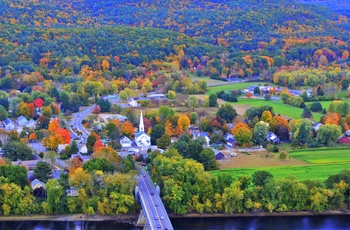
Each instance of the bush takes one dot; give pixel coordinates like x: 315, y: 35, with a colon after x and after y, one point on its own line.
x: 283, y: 156
x: 63, y: 156
x: 273, y: 149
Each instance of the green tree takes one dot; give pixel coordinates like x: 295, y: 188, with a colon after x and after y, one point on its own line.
x: 207, y: 158
x: 104, y: 104
x: 260, y: 132
x: 15, y: 174
x: 163, y: 142
x: 328, y: 134
x: 260, y: 178
x: 73, y: 148
x: 303, y: 136
x: 226, y: 112
x: 257, y: 90
x: 51, y: 156
x: 55, y: 194
x: 171, y: 94
x: 193, y: 117
x: 3, y: 113
x: 192, y: 101
x: 243, y: 135
x: 157, y: 132
x: 316, y: 107
x: 98, y: 164
x: 43, y: 171
x: 17, y: 151
x: 90, y: 142
x: 123, y: 95
x: 213, y: 100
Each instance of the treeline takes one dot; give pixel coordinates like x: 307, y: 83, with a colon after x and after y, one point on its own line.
x: 191, y: 189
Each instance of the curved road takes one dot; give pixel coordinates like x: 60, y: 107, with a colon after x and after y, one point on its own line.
x: 154, y: 210
x: 78, y: 118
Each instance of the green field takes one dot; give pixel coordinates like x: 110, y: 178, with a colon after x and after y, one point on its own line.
x: 278, y: 107
x: 234, y: 86
x: 323, y: 156
x: 306, y: 172
x: 323, y: 162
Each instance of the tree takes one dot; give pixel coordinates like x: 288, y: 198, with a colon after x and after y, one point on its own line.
x: 105, y: 65
x: 193, y: 117
x: 303, y: 135
x: 17, y: 151
x: 213, y: 100
x: 90, y: 142
x: 43, y: 171
x: 243, y: 135
x: 15, y: 174
x: 54, y: 194
x: 96, y: 110
x: 257, y: 90
x: 104, y: 104
x: 54, y: 126
x: 227, y: 112
x: 128, y: 129
x: 207, y: 158
x: 260, y: 178
x: 107, y: 153
x: 266, y: 116
x: 183, y: 122
x: 157, y: 132
x: 171, y: 94
x: 260, y: 132
x: 316, y: 107
x: 51, y: 156
x: 192, y: 101
x: 3, y: 113
x: 163, y: 142
x: 101, y: 164
x: 73, y: 148
x: 238, y: 126
x: 328, y: 134
x: 306, y: 114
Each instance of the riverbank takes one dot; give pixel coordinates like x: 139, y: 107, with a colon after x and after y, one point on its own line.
x: 120, y: 218
x: 261, y: 214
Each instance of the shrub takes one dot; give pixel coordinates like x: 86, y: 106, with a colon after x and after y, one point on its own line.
x: 283, y: 156
x: 316, y: 107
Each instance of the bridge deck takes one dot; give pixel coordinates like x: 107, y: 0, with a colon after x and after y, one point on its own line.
x: 154, y: 211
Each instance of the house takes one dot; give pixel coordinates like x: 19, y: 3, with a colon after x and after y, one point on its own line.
x: 316, y: 125
x: 72, y: 191
x: 271, y: 137
x: 121, y: 118
x: 125, y: 142
x: 218, y: 155
x: 22, y: 121
x: 205, y: 135
x: 28, y: 164
x: 132, y: 103
x: 37, y: 184
x: 231, y: 142
x: 229, y: 136
x: 30, y: 176
x: 61, y: 147
x: 19, y: 130
x: 141, y: 138
x: 30, y: 124
x: 83, y: 150
x: 156, y: 96
x: 347, y: 133
x: 8, y: 124
x: 344, y: 140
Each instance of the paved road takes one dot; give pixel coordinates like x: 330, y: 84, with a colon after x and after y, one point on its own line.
x: 153, y: 206
x: 78, y: 118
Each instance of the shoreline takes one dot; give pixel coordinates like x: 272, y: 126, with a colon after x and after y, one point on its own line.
x: 132, y: 218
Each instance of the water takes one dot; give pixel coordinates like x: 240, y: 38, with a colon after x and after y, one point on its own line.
x: 237, y: 223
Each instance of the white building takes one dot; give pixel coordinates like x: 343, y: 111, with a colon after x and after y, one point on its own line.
x: 132, y: 103
x: 22, y: 121
x: 141, y: 138
x: 125, y: 142
x: 8, y: 124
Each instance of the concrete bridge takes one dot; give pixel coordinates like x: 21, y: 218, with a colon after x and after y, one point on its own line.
x: 153, y: 215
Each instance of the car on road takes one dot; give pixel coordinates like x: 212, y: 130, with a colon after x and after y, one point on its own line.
x: 162, y: 217
x: 152, y: 193
x: 156, y: 217
x: 233, y: 154
x: 156, y: 204
x: 144, y: 175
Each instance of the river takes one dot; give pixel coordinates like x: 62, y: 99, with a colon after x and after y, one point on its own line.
x: 237, y: 223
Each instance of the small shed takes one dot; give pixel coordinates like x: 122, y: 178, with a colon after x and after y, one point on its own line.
x: 37, y: 184
x: 219, y: 156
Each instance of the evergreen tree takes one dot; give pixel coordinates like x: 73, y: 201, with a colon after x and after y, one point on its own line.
x: 43, y: 171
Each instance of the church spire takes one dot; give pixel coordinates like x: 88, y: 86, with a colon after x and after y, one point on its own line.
x: 141, y: 125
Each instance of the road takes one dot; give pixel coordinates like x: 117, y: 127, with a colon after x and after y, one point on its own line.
x: 153, y: 206
x: 78, y: 118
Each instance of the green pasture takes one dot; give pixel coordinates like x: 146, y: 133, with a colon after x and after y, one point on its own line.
x: 278, y: 107
x: 323, y: 156
x: 302, y: 173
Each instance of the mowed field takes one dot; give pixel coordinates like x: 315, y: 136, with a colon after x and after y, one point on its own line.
x: 234, y: 86
x: 310, y: 164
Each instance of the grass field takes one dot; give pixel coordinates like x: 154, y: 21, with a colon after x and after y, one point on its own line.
x: 306, y: 172
x: 206, y: 78
x: 323, y: 156
x: 322, y: 163
x: 278, y: 107
x: 233, y: 86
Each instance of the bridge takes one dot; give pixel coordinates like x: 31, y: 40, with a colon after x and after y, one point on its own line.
x: 153, y: 215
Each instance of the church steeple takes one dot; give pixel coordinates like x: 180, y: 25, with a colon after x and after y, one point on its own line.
x: 141, y: 125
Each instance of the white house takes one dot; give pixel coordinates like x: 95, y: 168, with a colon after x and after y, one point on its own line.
x: 30, y: 124
x: 132, y: 103
x: 125, y: 142
x: 83, y: 150
x: 205, y: 135
x: 22, y: 121
x: 37, y: 184
x: 61, y: 147
x: 141, y: 138
x: 8, y: 124
x: 271, y: 137
x: 72, y: 192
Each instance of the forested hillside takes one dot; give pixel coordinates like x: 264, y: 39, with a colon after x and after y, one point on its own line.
x: 222, y: 39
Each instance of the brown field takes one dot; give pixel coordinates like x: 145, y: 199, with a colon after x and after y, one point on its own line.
x: 255, y: 159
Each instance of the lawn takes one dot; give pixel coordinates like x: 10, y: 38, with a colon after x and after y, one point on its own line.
x: 326, y: 104
x: 306, y: 172
x: 323, y: 156
x: 234, y: 86
x: 206, y: 78
x: 278, y: 107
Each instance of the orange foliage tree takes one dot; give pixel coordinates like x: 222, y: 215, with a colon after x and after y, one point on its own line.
x: 32, y: 136
x: 54, y: 125
x: 278, y: 120
x: 238, y: 126
x: 64, y: 134
x: 331, y: 118
x: 183, y: 122
x: 128, y: 129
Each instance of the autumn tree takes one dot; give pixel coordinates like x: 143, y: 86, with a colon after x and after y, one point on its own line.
x: 54, y: 125
x: 238, y: 126
x: 128, y: 129
x: 328, y: 134
x: 183, y: 122
x: 266, y: 116
x: 243, y: 135
x: 105, y: 65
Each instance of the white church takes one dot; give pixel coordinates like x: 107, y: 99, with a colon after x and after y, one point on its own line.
x: 141, y: 138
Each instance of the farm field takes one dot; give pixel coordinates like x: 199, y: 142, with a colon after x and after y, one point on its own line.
x: 323, y: 156
x: 278, y: 107
x: 319, y: 165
